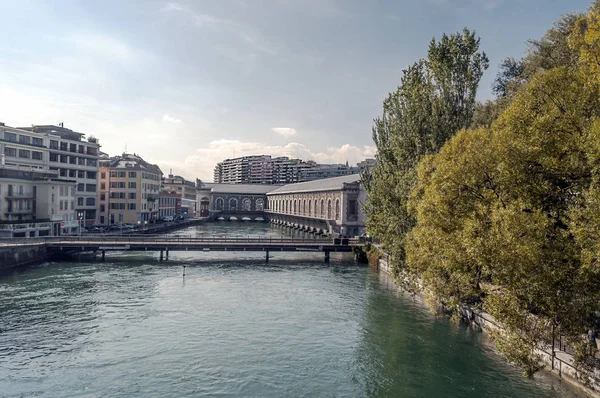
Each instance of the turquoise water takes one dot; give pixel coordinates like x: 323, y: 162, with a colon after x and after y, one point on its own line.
x: 235, y: 326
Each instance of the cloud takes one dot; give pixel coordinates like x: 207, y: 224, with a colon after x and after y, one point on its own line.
x: 202, y: 162
x: 284, y: 131
x: 170, y: 119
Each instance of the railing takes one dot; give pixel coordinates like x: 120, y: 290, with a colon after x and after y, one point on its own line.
x: 154, y: 239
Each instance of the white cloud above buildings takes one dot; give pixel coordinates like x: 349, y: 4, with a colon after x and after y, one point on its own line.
x: 284, y: 131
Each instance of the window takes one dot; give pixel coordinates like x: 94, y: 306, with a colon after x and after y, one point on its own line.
x: 113, y: 174
x: 92, y: 162
x: 102, y: 186
x: 53, y: 144
x: 37, y: 141
x: 90, y: 187
x: 53, y: 157
x: 10, y: 152
x: 102, y: 175
x: 132, y: 184
x: 122, y: 174
x: 131, y: 195
x: 329, y: 209
x: 73, y: 173
x: 352, y: 208
x: 61, y: 204
x: 337, y: 209
x: 102, y: 208
x: 72, y: 205
x: 90, y: 201
x: 131, y: 206
x: 79, y: 201
x: 72, y: 147
x: 37, y: 155
x: 64, y: 146
x: 23, y: 139
x: 102, y: 196
x: 10, y: 136
x: 132, y: 174
x: 62, y: 190
x: 25, y: 154
x: 80, y: 188
x: 72, y: 160
x: 91, y: 175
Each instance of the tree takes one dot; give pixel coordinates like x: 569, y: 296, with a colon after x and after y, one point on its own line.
x: 507, y: 216
x: 436, y: 98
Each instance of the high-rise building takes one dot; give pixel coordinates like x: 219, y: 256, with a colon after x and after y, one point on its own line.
x: 263, y: 169
x: 129, y: 188
x: 75, y: 158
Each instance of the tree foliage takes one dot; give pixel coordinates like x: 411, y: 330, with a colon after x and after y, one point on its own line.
x: 436, y: 98
x: 508, y: 215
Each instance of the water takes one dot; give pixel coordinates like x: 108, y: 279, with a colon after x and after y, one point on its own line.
x: 235, y: 326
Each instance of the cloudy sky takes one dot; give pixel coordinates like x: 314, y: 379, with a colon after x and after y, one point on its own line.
x: 188, y: 83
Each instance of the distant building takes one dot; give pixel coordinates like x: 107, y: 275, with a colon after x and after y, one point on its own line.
x: 321, y: 171
x: 186, y: 191
x: 366, y: 164
x: 129, y: 190
x: 169, y: 204
x: 74, y: 158
x: 263, y: 169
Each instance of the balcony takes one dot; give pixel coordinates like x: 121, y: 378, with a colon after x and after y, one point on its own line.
x: 14, y: 211
x: 22, y: 195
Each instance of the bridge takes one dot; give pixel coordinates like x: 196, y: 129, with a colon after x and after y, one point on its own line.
x: 164, y: 245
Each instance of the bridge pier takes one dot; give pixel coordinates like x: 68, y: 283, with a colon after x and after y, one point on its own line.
x: 167, y: 254
x: 161, y: 255
x: 267, y: 257
x: 327, y: 257
x: 103, y: 255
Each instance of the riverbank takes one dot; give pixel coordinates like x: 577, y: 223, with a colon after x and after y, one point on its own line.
x: 562, y: 365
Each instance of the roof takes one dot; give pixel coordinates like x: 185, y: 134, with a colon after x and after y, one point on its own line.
x: 325, y: 184
x: 256, y: 189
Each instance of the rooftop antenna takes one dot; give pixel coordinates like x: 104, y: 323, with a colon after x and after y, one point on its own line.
x: 125, y: 148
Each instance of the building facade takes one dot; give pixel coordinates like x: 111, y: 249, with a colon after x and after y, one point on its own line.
x: 34, y: 200
x: 185, y: 189
x: 331, y: 206
x: 74, y: 158
x: 128, y: 190
x: 169, y: 204
x: 229, y: 199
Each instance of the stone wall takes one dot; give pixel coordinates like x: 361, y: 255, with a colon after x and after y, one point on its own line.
x: 563, y: 365
x: 13, y: 256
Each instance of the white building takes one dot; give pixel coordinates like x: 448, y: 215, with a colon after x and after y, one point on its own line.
x: 74, y: 158
x: 331, y: 205
x: 34, y: 200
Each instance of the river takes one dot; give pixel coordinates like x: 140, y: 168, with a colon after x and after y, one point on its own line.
x: 235, y: 326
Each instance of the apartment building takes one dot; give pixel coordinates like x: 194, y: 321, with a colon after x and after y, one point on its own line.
x: 169, y: 204
x: 186, y: 191
x: 245, y: 170
x: 34, y: 200
x: 322, y: 171
x: 74, y: 158
x: 128, y: 190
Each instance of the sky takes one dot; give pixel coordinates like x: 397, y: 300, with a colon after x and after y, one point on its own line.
x: 188, y: 83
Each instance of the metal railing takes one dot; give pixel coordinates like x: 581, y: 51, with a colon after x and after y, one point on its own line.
x: 154, y: 239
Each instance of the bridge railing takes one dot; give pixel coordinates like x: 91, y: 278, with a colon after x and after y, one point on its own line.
x: 154, y: 239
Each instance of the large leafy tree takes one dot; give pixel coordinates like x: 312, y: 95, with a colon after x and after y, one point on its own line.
x: 436, y: 98
x: 507, y: 216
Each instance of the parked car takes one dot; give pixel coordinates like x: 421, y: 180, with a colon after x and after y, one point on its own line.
x: 168, y: 218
